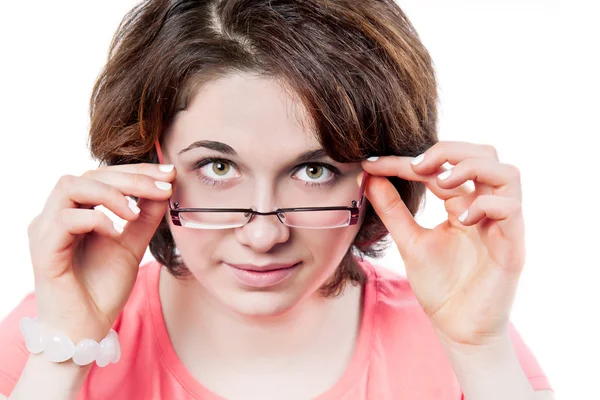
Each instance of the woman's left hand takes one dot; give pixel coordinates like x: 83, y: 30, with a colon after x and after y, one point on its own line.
x: 464, y: 274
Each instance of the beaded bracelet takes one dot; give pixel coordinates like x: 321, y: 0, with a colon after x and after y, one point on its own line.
x: 57, y: 346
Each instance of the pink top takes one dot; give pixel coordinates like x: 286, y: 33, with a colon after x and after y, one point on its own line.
x: 397, y: 356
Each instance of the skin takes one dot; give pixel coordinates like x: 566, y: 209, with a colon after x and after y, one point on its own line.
x: 464, y: 272
x: 467, y: 285
x: 268, y: 131
x: 207, y: 316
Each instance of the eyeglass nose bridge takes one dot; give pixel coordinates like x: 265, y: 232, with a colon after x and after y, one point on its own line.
x: 251, y: 213
x: 281, y: 213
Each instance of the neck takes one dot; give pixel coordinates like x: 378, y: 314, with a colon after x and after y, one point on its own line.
x: 201, y: 328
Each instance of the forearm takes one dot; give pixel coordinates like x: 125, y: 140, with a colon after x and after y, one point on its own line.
x: 493, y: 373
x: 44, y: 379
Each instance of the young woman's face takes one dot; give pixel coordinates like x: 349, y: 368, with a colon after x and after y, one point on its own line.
x: 244, y: 142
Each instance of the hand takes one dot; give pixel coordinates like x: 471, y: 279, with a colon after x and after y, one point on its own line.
x: 84, y: 268
x: 464, y: 274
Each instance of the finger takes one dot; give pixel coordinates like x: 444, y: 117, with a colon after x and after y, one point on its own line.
x: 77, y: 221
x: 505, y: 211
x: 59, y: 235
x: 392, y: 211
x: 138, y: 185
x: 401, y: 167
x: 71, y: 192
x: 161, y: 172
x: 124, y: 177
x: 502, y: 179
x: 137, y: 234
x: 55, y: 240
x: 450, y: 152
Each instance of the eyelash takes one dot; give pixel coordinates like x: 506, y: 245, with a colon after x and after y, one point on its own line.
x: 205, y: 161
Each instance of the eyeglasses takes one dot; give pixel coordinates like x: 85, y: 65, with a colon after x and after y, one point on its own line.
x: 302, y: 217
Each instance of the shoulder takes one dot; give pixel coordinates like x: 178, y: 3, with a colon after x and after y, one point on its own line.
x: 404, y: 332
x: 393, y: 291
x: 144, y: 290
x: 14, y: 353
x: 396, y: 311
x: 403, y: 339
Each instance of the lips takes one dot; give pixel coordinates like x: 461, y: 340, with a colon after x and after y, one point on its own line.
x: 269, y: 275
x: 263, y: 268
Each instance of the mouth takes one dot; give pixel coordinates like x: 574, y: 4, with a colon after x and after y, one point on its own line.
x: 264, y: 268
x: 262, y: 276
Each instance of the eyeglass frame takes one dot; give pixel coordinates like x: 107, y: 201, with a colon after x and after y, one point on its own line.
x: 354, y: 209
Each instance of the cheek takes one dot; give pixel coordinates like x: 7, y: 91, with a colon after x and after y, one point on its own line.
x: 326, y: 247
x: 196, y: 246
x: 329, y: 246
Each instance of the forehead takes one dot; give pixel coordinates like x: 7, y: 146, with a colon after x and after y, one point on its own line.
x: 254, y: 115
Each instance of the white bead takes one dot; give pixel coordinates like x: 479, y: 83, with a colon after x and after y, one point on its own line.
x: 108, y: 352
x: 25, y: 324
x: 86, y: 352
x: 58, y: 347
x: 32, y: 332
x: 117, y: 356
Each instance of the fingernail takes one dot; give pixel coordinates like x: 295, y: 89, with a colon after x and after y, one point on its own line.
x: 445, y: 174
x: 374, y: 158
x: 163, y: 185
x: 463, y: 216
x: 166, y: 167
x: 417, y: 160
x: 133, y: 206
x: 118, y: 227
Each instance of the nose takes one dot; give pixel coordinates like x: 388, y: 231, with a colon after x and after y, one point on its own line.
x: 263, y: 232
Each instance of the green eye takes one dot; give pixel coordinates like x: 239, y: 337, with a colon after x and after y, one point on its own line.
x: 221, y: 168
x: 314, y: 171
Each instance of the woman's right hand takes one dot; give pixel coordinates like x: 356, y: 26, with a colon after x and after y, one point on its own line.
x: 84, y: 268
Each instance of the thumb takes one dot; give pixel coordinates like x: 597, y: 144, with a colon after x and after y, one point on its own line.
x: 137, y: 234
x: 392, y: 211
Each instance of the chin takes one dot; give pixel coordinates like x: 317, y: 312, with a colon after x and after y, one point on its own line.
x: 261, y: 304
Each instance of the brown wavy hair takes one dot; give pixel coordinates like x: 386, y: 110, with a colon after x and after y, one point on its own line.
x: 358, y: 67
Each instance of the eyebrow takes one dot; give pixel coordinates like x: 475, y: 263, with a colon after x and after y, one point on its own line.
x: 223, y: 148
x: 211, y: 145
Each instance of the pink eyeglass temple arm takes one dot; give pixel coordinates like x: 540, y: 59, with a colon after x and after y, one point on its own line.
x: 159, y: 152
x: 361, y: 191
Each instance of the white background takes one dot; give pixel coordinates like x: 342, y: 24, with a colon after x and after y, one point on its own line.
x: 520, y: 75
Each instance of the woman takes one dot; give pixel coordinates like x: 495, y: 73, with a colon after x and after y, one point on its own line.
x: 242, y: 130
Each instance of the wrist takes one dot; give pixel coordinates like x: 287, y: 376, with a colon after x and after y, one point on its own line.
x: 43, y: 379
x: 76, y: 329
x: 489, y: 372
